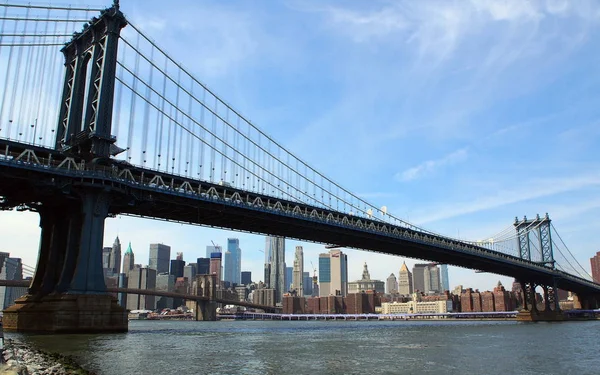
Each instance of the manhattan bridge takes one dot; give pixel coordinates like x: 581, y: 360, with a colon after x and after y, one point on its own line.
x: 100, y: 121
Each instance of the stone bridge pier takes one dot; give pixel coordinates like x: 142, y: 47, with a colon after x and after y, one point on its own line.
x: 532, y: 310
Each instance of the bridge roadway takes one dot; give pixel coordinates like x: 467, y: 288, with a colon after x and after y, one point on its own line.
x: 159, y: 293
x: 31, y: 174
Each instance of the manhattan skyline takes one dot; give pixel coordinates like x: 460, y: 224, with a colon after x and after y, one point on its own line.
x: 457, y: 126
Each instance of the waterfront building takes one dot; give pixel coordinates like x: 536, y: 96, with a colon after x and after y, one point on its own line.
x: 308, y: 284
x: 595, y: 263
x: 128, y: 260
x: 275, y: 266
x: 333, y: 273
x: 391, y: 284
x: 115, y: 257
x: 233, y: 261
x: 503, y: 300
x: 160, y: 256
x: 166, y: 283
x: 177, y: 265
x: 246, y: 277
x: 203, y: 265
x: 265, y: 296
x: 365, y: 283
x: 444, y: 275
x: 298, y: 272
x: 405, y: 281
x: 487, y: 301
x: 141, y: 278
x: 417, y: 306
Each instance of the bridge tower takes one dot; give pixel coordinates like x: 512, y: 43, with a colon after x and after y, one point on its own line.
x: 68, y: 293
x: 536, y: 233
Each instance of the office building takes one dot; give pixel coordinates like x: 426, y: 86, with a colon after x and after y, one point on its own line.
x: 215, y: 268
x: 233, y: 262
x: 426, y: 278
x: 203, y: 266
x: 265, y: 297
x: 115, y: 257
x: 141, y: 278
x: 444, y: 275
x: 106, y: 259
x: 246, y: 277
x: 189, y: 272
x: 165, y: 283
x: 275, y: 266
x: 405, y: 281
x: 177, y: 265
x: 128, y: 260
x: 288, y: 278
x: 308, y: 284
x: 595, y: 263
x: 391, y: 284
x: 366, y: 284
x: 298, y: 272
x: 160, y: 256
x: 333, y: 274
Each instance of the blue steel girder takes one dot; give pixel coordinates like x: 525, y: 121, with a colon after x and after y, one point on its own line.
x: 545, y: 238
x: 523, y: 238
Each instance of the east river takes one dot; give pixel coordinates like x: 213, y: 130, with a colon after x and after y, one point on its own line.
x: 342, y: 347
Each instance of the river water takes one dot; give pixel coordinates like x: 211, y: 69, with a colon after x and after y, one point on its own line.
x: 335, y: 347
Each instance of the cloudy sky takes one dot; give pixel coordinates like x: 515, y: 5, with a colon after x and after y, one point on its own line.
x: 456, y: 115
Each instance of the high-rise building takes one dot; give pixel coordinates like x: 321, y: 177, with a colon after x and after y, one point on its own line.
x: 595, y: 262
x: 128, y: 260
x: 333, y: 273
x: 215, y: 267
x: 307, y: 280
x: 246, y: 277
x: 444, y: 274
x: 298, y: 272
x: 160, y: 256
x: 115, y: 257
x: 177, y: 265
x: 164, y: 283
x: 106, y: 258
x: 391, y: 284
x: 405, y: 281
x: 289, y: 271
x: 12, y: 269
x: 189, y: 272
x: 203, y: 266
x: 141, y: 278
x: 275, y: 266
x: 213, y: 249
x: 426, y: 278
x: 233, y: 261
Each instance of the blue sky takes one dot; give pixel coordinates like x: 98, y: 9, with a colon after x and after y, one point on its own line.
x: 456, y: 115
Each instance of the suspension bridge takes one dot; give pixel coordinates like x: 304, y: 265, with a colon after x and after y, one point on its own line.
x: 114, y: 125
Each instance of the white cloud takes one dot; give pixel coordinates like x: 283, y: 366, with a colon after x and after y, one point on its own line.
x: 431, y: 166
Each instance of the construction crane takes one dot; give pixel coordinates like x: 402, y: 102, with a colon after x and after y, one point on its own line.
x: 314, y: 272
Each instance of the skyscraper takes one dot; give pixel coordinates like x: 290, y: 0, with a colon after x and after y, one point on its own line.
x: 203, y: 266
x: 177, y: 265
x: 333, y: 273
x: 141, y: 278
x: 275, y: 266
x: 233, y: 261
x: 391, y: 284
x: 405, y: 281
x: 288, y: 278
x: 426, y: 278
x: 595, y: 262
x: 213, y: 249
x: 307, y: 280
x: 215, y: 267
x: 106, y: 258
x: 115, y: 257
x: 128, y: 260
x: 298, y: 272
x: 445, y: 281
x: 246, y: 277
x: 160, y: 256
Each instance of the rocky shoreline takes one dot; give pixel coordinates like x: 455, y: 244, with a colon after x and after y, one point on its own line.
x: 21, y: 359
